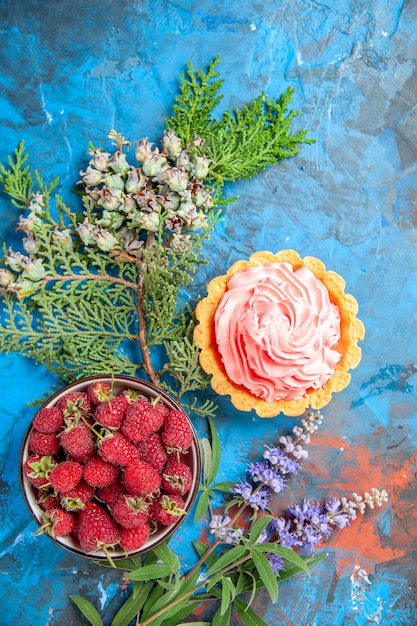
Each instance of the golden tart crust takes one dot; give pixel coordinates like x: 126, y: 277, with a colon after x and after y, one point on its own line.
x: 352, y: 331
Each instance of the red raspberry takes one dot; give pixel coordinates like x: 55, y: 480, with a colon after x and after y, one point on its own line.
x: 176, y: 478
x: 140, y: 478
x: 99, y: 391
x: 177, y: 434
x: 77, y: 441
x: 38, y: 469
x: 168, y: 509
x: 131, y: 395
x: 66, y: 475
x: 57, y: 523
x: 74, y: 404
x: 96, y: 529
x: 152, y: 451
x: 48, y: 420
x: 118, y: 450
x: 111, y: 413
x: 134, y: 538
x: 45, y: 444
x: 109, y: 495
x: 141, y: 420
x: 47, y: 500
x: 161, y: 407
x: 75, y: 499
x: 130, y: 511
x: 100, y: 473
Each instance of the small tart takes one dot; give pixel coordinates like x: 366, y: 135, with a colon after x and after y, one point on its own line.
x: 351, y: 331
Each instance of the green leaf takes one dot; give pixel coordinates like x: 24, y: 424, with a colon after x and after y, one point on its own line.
x: 286, y: 553
x: 222, y: 619
x: 88, y: 610
x: 228, y: 557
x: 248, y: 615
x: 202, y: 505
x: 195, y: 624
x: 205, y: 449
x: 228, y: 594
x: 223, y: 486
x: 201, y: 548
x: 215, y: 453
x: 258, y: 526
x: 265, y: 572
x: 167, y: 556
x: 150, y: 572
x: 294, y: 570
x: 132, y: 606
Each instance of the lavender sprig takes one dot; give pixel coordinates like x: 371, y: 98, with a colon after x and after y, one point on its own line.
x: 305, y: 525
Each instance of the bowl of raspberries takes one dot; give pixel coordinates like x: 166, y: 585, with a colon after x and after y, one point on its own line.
x: 110, y: 466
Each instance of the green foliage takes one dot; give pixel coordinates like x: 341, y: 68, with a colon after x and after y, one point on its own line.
x: 242, y: 142
x: 78, y: 315
x: 16, y: 179
x: 193, y: 108
x: 210, y: 457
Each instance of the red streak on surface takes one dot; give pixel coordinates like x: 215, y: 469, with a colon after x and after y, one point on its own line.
x: 341, y: 469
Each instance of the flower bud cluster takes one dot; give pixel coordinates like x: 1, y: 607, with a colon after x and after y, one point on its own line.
x: 163, y: 193
x: 23, y: 271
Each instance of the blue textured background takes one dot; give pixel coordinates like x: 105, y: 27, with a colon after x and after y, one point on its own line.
x: 71, y: 71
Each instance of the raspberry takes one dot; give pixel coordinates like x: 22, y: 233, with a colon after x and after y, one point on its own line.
x: 75, y: 499
x: 111, y: 413
x: 130, y: 511
x: 177, y: 434
x: 77, y: 441
x: 152, y: 451
x: 109, y: 495
x: 47, y: 500
x: 38, y: 469
x: 141, y: 420
x: 48, y: 420
x: 140, y: 478
x: 66, y: 475
x: 98, y: 392
x: 100, y: 473
x: 45, y: 444
x: 161, y: 407
x: 118, y: 450
x: 57, y: 523
x: 176, y: 478
x: 167, y: 509
x: 134, y: 538
x: 96, y: 529
x: 74, y: 404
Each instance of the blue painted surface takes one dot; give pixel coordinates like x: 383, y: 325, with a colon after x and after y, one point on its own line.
x: 70, y: 71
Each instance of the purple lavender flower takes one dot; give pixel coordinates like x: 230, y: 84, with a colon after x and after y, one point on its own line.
x: 337, y: 516
x: 280, y: 459
x: 276, y: 562
x: 261, y: 499
x: 242, y: 489
x: 285, y: 531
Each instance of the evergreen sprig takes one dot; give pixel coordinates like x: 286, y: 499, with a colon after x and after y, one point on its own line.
x: 243, y: 141
x: 97, y: 286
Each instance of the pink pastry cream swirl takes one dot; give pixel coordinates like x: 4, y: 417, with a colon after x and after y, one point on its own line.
x: 276, y: 331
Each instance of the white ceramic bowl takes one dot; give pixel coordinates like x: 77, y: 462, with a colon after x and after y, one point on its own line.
x: 192, y: 458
